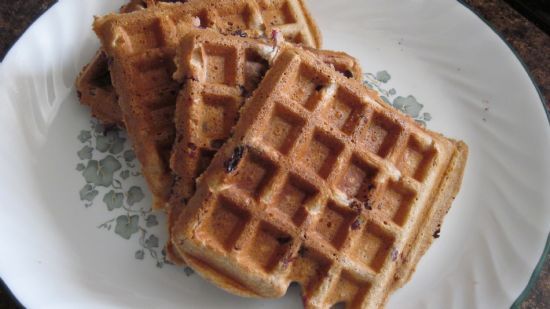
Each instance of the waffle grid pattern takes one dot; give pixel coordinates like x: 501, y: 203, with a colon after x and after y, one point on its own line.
x: 142, y: 46
x: 209, y: 103
x: 315, y: 199
x: 220, y: 72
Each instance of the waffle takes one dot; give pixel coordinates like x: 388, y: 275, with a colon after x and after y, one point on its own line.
x: 93, y: 84
x: 323, y: 184
x: 222, y: 71
x: 207, y: 106
x: 141, y: 46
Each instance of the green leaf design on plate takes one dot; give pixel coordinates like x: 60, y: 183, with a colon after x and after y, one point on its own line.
x: 85, y: 153
x: 135, y: 195
x: 139, y: 255
x: 152, y: 242
x: 383, y: 76
x: 80, y: 167
x: 111, y: 141
x: 127, y: 225
x: 88, y: 193
x: 129, y: 155
x: 84, y: 136
x: 188, y: 271
x: 125, y: 174
x: 421, y: 122
x: 98, y: 128
x: 113, y: 199
x: 100, y: 173
x: 408, y: 105
x: 151, y: 221
x: 427, y: 116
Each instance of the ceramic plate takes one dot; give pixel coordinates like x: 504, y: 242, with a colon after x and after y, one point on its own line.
x: 76, y: 227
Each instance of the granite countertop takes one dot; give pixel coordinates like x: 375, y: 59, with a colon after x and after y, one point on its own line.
x: 531, y: 44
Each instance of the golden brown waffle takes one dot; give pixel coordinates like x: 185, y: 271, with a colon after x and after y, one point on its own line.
x: 323, y: 184
x: 222, y: 71
x: 141, y: 46
x: 93, y: 83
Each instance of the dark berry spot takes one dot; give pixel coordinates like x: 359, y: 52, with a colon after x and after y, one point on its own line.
x: 436, y: 233
x: 192, y: 146
x: 348, y: 74
x: 356, y: 224
x: 283, y: 240
x: 217, y: 143
x: 356, y: 206
x: 394, y: 254
x: 318, y: 87
x: 240, y: 33
x: 231, y: 164
x: 244, y: 92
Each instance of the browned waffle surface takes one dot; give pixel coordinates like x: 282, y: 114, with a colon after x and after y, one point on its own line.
x: 322, y: 184
x: 222, y: 71
x: 141, y: 46
x: 95, y: 89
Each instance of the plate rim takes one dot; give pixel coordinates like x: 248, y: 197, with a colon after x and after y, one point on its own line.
x: 535, y: 275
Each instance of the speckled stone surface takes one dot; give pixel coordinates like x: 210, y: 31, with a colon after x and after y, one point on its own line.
x: 530, y: 43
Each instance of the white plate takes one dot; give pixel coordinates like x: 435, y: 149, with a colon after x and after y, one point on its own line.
x: 55, y: 251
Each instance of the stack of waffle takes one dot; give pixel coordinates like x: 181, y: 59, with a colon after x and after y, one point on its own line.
x: 272, y: 159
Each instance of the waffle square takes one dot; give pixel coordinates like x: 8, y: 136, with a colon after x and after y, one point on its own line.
x: 141, y: 46
x: 323, y: 184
